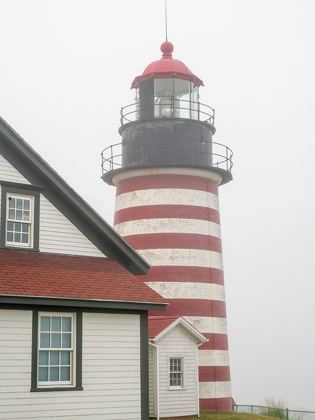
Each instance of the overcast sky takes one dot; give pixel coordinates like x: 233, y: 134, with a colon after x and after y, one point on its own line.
x: 66, y: 69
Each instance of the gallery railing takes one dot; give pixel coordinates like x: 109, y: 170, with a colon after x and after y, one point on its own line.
x: 167, y: 107
x: 197, y: 153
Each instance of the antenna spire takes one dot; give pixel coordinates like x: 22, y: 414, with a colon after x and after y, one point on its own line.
x: 166, y: 20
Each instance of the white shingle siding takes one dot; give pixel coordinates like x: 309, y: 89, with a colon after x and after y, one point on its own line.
x: 56, y: 234
x: 9, y: 173
x: 111, y: 371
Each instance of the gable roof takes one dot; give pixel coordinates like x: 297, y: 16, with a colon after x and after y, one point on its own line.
x: 67, y: 201
x: 28, y: 274
x: 159, y: 326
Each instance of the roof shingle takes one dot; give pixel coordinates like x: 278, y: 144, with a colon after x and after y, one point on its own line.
x: 61, y: 276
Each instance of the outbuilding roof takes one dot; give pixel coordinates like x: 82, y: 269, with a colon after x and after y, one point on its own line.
x: 68, y: 277
x: 161, y: 325
x: 157, y: 324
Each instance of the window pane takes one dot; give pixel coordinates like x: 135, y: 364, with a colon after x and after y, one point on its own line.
x: 10, y: 237
x: 56, y: 323
x: 25, y: 227
x: 66, y: 341
x: 182, y: 98
x: 19, y: 203
x: 43, y: 357
x: 19, y: 215
x: 56, y: 340
x: 66, y: 324
x: 54, y: 358
x: 65, y: 374
x: 44, y: 340
x: 24, y: 238
x: 43, y: 374
x: 12, y: 214
x: 54, y: 373
x: 65, y: 358
x: 163, y: 97
x: 44, y: 323
x: 10, y: 226
x: 27, y: 204
x: 11, y: 203
x: 26, y: 216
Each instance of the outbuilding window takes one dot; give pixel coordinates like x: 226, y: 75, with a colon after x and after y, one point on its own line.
x: 176, y: 372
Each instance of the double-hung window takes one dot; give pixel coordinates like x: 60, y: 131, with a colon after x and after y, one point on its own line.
x: 19, y: 221
x: 176, y: 372
x: 57, y: 351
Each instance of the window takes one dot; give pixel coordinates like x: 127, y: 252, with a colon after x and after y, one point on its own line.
x: 176, y: 98
x: 57, y: 351
x: 55, y: 354
x: 176, y: 370
x: 19, y: 220
x: 19, y: 226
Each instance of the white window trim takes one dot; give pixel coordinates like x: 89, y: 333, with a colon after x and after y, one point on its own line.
x: 59, y: 384
x: 175, y: 388
x: 30, y: 243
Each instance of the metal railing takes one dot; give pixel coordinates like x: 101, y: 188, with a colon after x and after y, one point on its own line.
x: 281, y: 413
x: 167, y: 108
x: 220, y: 156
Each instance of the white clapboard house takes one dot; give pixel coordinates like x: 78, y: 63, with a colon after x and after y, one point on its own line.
x: 173, y: 367
x: 73, y: 314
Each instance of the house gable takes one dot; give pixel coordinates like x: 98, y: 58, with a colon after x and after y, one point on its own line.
x: 57, y: 234
x: 101, y: 238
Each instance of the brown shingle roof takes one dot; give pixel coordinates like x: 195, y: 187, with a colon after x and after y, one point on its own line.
x: 60, y: 276
x: 157, y: 324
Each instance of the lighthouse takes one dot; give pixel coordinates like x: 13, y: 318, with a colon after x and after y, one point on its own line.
x: 167, y: 170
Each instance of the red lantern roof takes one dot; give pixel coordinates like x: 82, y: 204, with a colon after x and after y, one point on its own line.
x: 166, y: 67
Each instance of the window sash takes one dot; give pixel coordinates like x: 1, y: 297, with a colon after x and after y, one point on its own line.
x: 56, y: 343
x: 176, y: 370
x: 19, y: 220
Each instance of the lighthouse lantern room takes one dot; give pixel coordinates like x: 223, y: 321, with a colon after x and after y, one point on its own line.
x: 167, y: 170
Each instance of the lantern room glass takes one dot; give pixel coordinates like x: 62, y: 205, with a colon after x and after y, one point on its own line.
x: 175, y: 98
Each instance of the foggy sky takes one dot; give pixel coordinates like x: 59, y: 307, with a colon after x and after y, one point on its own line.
x: 66, y: 69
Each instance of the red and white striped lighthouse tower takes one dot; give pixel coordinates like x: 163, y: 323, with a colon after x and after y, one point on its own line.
x: 167, y: 171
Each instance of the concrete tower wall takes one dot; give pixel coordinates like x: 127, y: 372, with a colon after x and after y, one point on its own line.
x: 171, y: 217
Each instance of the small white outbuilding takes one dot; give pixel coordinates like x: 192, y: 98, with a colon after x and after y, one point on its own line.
x: 173, y: 367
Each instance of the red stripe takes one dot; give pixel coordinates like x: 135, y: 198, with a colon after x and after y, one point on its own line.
x: 148, y: 182
x: 165, y: 211
x: 214, y: 373
x: 194, y: 307
x: 185, y: 274
x: 215, y: 342
x: 174, y: 241
x: 216, y: 404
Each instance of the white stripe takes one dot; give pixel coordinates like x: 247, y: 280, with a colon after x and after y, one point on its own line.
x: 167, y: 196
x: 215, y: 389
x: 213, y: 358
x: 203, y: 173
x: 140, y: 227
x: 181, y: 290
x: 210, y: 325
x: 182, y: 257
